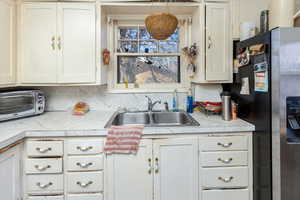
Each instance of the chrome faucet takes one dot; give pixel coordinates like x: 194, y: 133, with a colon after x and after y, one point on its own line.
x: 151, y: 104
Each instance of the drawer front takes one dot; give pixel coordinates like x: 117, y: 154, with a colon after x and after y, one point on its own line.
x: 46, y: 198
x: 43, y: 165
x: 45, y: 184
x: 85, y: 146
x: 85, y: 197
x: 226, y: 195
x: 85, y: 163
x: 44, y: 148
x: 224, y: 143
x: 226, y: 158
x: 85, y: 182
x: 230, y: 177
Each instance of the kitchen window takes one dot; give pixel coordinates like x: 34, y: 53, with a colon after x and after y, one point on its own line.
x: 142, y: 63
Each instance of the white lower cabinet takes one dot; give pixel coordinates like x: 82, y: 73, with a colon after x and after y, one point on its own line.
x: 46, y: 198
x: 175, y: 169
x: 85, y: 182
x: 233, y: 177
x: 167, y: 165
x: 45, y: 184
x: 10, y: 174
x: 85, y: 197
x: 226, y: 195
x: 203, y: 167
x: 131, y: 176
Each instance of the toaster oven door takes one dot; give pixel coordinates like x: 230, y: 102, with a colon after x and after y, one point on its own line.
x: 16, y: 105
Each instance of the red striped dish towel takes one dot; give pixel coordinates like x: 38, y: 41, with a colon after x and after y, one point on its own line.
x: 123, y: 139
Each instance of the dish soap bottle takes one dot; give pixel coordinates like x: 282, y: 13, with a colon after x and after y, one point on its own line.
x: 175, y: 101
x: 189, y: 102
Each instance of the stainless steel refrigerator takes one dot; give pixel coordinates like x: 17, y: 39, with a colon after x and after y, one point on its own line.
x: 272, y: 103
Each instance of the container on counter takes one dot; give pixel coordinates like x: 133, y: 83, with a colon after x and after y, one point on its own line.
x: 226, y: 106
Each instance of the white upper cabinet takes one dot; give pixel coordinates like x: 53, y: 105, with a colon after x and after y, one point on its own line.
x: 76, y: 43
x: 39, y: 55
x: 7, y: 41
x: 175, y: 169
x: 218, y: 43
x: 131, y: 176
x: 10, y: 174
x: 58, y: 43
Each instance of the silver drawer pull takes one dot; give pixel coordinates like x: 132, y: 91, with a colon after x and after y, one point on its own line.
x: 84, y: 165
x: 43, y: 150
x: 42, y: 168
x: 225, y: 145
x: 226, y: 180
x: 227, y: 161
x: 84, y: 148
x: 84, y: 185
x: 43, y: 186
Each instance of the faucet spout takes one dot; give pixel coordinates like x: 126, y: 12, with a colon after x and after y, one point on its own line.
x: 151, y: 104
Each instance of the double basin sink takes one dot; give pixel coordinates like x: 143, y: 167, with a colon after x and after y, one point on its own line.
x: 152, y: 119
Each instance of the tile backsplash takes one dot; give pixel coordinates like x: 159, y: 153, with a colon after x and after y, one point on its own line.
x: 64, y: 98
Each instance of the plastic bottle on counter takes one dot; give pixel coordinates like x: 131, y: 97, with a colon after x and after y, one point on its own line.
x: 175, y: 101
x: 189, y: 102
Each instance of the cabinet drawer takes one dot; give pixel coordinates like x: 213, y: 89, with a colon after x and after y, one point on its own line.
x: 46, y: 198
x: 43, y: 165
x: 85, y: 182
x: 226, y: 158
x: 44, y: 148
x: 85, y: 146
x: 45, y: 184
x: 230, y: 177
x: 85, y: 197
x: 85, y: 163
x: 224, y: 143
x: 226, y: 195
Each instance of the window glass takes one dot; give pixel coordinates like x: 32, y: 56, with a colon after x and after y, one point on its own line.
x: 152, y: 69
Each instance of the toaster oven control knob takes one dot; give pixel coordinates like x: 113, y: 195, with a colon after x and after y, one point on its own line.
x: 40, y: 108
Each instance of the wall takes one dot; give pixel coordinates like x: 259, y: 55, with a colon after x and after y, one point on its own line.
x: 63, y: 98
x: 281, y: 13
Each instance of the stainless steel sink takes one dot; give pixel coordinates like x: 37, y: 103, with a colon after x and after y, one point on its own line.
x: 152, y: 119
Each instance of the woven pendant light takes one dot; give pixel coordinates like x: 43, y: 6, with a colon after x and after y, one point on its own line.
x: 161, y: 25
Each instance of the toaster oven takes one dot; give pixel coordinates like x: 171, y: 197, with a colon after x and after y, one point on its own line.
x: 18, y: 104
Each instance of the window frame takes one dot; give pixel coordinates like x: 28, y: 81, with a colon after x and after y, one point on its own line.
x: 136, y: 21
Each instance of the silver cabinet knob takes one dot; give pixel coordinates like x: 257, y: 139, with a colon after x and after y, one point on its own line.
x: 226, y: 180
x: 41, y: 150
x: 156, y: 165
x: 225, y: 161
x: 40, y: 168
x: 84, y: 165
x: 149, y: 166
x: 84, y: 185
x: 84, y: 149
x: 43, y: 186
x: 227, y: 145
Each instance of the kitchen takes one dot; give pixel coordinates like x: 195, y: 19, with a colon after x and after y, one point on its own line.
x: 74, y: 73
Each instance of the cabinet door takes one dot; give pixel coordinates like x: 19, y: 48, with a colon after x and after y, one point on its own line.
x: 218, y: 40
x: 10, y: 180
x: 76, y: 43
x: 130, y: 176
x: 7, y: 41
x: 175, y: 168
x: 39, y: 55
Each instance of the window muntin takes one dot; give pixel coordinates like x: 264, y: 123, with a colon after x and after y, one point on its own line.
x: 136, y: 39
